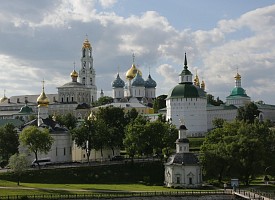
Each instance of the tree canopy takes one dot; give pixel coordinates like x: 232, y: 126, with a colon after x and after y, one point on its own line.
x: 159, y: 103
x: 84, y: 136
x: 37, y: 140
x: 238, y: 149
x: 102, y: 101
x: 68, y: 120
x: 9, y: 142
x: 248, y: 113
x: 212, y: 101
x: 18, y: 164
x: 146, y: 138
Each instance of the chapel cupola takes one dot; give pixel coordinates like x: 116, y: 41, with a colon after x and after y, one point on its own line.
x: 4, y: 98
x: 186, y: 75
x: 182, y: 143
x: 43, y: 100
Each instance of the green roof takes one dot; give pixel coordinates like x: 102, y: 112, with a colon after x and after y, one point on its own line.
x: 185, y: 71
x: 26, y: 110
x: 15, y: 122
x: 186, y: 90
x: 238, y: 91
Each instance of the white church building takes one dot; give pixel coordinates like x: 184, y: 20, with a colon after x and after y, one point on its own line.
x: 183, y: 168
x: 188, y: 101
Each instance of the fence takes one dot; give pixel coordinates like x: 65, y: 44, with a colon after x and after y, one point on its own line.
x: 269, y: 194
x: 111, y: 195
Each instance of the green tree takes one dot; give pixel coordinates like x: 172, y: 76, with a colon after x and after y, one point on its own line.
x: 113, y: 118
x: 134, y: 137
x: 212, y: 101
x: 84, y: 136
x: 238, y: 149
x: 218, y: 122
x: 8, y: 142
x: 18, y: 164
x: 37, y: 140
x: 130, y: 116
x: 101, y: 135
x: 146, y: 138
x: 214, y: 150
x: 248, y: 113
x: 159, y: 103
x: 102, y: 101
x: 160, y: 137
x: 168, y: 139
x: 68, y: 120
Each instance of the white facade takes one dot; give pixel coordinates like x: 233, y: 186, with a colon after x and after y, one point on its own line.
x: 183, y: 176
x: 192, y: 110
x: 150, y: 93
x: 118, y: 93
x: 188, y: 102
x: 238, y: 96
x: 60, y: 152
x: 135, y: 87
x: 87, y: 71
x: 79, y: 155
x: 183, y: 169
x: 227, y: 113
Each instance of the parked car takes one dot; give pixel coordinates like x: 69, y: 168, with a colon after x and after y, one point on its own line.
x: 42, y: 162
x: 117, y: 158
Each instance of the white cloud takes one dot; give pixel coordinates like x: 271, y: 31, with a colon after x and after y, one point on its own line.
x: 47, y: 40
x: 107, y: 3
x: 168, y: 73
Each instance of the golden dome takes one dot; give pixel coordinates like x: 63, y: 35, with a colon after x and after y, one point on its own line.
x: 43, y: 100
x: 238, y: 76
x: 132, y: 72
x: 203, y: 85
x: 91, y: 116
x: 74, y: 74
x: 196, y: 80
x: 54, y: 117
x: 4, y: 98
x: 86, y: 44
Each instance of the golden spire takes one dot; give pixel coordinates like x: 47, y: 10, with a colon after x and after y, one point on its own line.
x: 54, y: 117
x: 238, y: 76
x: 86, y: 43
x: 92, y: 116
x: 197, y: 80
x: 42, y: 100
x: 132, y: 72
x: 74, y: 73
x: 203, y: 85
x: 4, y: 98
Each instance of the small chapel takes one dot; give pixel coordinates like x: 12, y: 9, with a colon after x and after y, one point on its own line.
x: 183, y: 168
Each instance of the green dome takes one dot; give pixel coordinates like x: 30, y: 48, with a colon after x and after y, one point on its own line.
x: 183, y: 90
x: 26, y: 110
x: 185, y: 71
x: 150, y: 83
x: 118, y: 82
x: 238, y: 91
x: 138, y: 81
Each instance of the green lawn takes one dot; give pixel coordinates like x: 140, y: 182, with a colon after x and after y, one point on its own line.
x: 40, y: 189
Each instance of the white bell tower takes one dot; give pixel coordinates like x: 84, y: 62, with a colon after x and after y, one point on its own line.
x: 87, y: 71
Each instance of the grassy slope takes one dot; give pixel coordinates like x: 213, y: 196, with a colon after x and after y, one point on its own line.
x: 151, y: 173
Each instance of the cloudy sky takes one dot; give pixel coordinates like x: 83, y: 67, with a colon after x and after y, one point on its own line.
x: 42, y: 39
